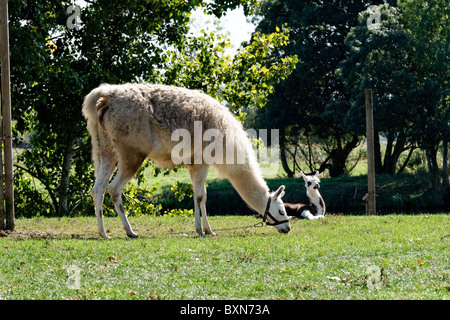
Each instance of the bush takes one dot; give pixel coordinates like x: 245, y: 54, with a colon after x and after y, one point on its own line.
x: 29, y: 201
x: 140, y: 201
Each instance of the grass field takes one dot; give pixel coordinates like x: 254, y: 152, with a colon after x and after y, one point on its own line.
x: 341, y: 257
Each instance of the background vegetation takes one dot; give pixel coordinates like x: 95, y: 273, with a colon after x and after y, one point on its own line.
x: 303, y: 72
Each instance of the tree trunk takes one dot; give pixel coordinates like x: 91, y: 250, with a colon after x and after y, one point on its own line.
x: 284, y: 162
x: 402, y: 168
x: 65, y: 177
x: 387, y: 162
x: 433, y: 168
x: 445, y: 178
x: 377, y: 147
x: 398, y: 149
x: 339, y: 157
x: 393, y: 153
x: 283, y: 158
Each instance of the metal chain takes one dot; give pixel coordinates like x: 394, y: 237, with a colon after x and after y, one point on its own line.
x: 256, y: 225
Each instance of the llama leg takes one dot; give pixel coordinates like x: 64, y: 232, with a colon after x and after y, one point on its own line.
x: 198, y: 177
x: 198, y: 222
x: 206, y: 227
x: 203, y: 172
x: 307, y: 215
x: 197, y: 197
x: 127, y: 169
x: 106, y: 167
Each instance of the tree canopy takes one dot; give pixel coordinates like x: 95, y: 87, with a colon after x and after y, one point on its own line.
x: 399, y: 50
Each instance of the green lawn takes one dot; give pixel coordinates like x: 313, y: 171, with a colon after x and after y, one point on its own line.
x: 341, y: 257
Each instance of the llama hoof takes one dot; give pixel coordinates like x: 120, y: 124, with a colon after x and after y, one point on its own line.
x: 209, y: 233
x: 104, y: 235
x: 132, y: 235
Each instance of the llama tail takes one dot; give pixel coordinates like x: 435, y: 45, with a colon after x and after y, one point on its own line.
x: 95, y: 105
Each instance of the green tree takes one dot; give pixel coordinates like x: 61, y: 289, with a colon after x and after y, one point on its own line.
x: 428, y: 22
x: 242, y: 82
x: 382, y: 58
x: 310, y: 105
x: 403, y: 59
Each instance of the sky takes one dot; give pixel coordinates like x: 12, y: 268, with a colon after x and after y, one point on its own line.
x: 234, y: 23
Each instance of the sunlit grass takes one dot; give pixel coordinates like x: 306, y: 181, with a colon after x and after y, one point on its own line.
x: 337, y: 258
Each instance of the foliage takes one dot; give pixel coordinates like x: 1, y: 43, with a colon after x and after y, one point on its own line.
x: 382, y: 58
x: 179, y: 213
x: 304, y: 106
x: 140, y: 201
x: 242, y: 81
x: 404, y: 60
x: 428, y: 23
x: 342, y: 194
x: 404, y: 68
x: 27, y: 190
x: 322, y: 49
x: 182, y: 190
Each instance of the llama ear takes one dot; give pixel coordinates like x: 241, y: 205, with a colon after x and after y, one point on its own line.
x: 279, y: 193
x: 303, y: 175
x: 317, y: 174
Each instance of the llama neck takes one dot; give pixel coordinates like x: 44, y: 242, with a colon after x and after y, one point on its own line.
x: 251, y: 187
x: 317, y: 200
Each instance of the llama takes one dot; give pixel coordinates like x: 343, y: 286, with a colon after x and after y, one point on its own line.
x: 316, y: 209
x: 131, y: 122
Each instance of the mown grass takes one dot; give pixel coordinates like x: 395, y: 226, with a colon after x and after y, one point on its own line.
x: 341, y: 257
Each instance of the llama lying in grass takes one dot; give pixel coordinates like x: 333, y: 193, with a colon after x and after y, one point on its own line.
x: 316, y: 209
x: 131, y: 122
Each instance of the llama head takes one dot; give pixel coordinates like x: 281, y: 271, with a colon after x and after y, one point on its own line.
x: 311, y: 182
x: 278, y: 217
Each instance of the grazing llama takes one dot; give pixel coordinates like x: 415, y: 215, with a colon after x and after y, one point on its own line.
x: 131, y: 122
x: 316, y: 209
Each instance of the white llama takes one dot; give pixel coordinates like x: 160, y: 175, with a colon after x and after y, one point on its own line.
x: 131, y: 122
x: 316, y: 209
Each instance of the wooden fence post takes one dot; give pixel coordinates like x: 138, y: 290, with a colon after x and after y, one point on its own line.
x: 6, y: 113
x: 371, y: 202
x: 2, y: 191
